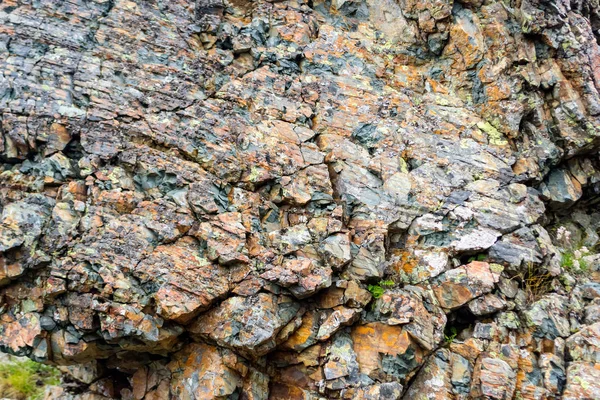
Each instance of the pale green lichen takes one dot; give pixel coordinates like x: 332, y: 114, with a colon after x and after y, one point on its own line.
x: 494, y: 136
x: 403, y: 165
x: 584, y: 385
x: 254, y: 174
x: 496, y: 268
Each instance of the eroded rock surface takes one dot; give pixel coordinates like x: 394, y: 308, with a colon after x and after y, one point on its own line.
x: 354, y: 199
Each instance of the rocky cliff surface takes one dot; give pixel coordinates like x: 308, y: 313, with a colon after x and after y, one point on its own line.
x: 357, y: 199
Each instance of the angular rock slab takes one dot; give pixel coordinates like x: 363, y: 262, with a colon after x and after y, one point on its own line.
x: 458, y: 286
x: 249, y: 325
x: 385, y: 352
x: 202, y: 371
x: 190, y: 282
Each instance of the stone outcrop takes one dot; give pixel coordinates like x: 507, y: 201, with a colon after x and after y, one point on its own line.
x: 351, y: 199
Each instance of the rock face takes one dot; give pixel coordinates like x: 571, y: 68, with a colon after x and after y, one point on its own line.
x: 353, y: 199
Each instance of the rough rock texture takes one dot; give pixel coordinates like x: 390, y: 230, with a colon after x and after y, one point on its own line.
x: 355, y: 199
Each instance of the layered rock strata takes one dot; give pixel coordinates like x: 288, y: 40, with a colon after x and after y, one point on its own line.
x: 351, y: 199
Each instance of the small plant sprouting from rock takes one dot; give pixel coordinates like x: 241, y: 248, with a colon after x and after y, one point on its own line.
x: 536, y: 282
x: 479, y: 257
x: 378, y: 290
x: 563, y: 236
x: 450, y: 335
x: 573, y: 261
x: 387, y: 283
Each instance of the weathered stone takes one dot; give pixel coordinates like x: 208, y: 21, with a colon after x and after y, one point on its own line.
x: 247, y: 324
x: 19, y: 335
x: 232, y: 199
x: 225, y: 238
x: 290, y: 240
x: 342, y: 362
x: 85, y: 373
x: 486, y: 304
x: 369, y: 261
x: 303, y: 276
x: 548, y: 317
x: 384, y: 350
x: 433, y: 381
x: 460, y: 285
x: 341, y: 316
x: 585, y: 344
x: 493, y: 378
x: 561, y: 188
x: 383, y: 391
x: 475, y: 241
x: 332, y: 297
x: 200, y: 371
x: 311, y: 183
x: 335, y: 250
x: 553, y: 371
x: 306, y: 335
x: 583, y: 381
x: 190, y: 283
x: 22, y: 223
x: 355, y: 296
x: 426, y: 266
x: 412, y: 308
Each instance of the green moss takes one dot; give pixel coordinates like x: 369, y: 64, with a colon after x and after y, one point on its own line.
x: 26, y: 379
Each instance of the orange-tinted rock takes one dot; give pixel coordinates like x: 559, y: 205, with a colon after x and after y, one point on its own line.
x: 191, y: 282
x: 331, y: 297
x: 493, y: 378
x: 583, y: 381
x: 306, y: 334
x: 379, y: 346
x: 253, y: 175
x: 311, y: 183
x: 18, y: 335
x: 225, y: 238
x: 460, y: 285
x: 407, y: 307
x: 200, y: 372
x: 355, y: 296
x: 302, y: 276
x: 282, y: 391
